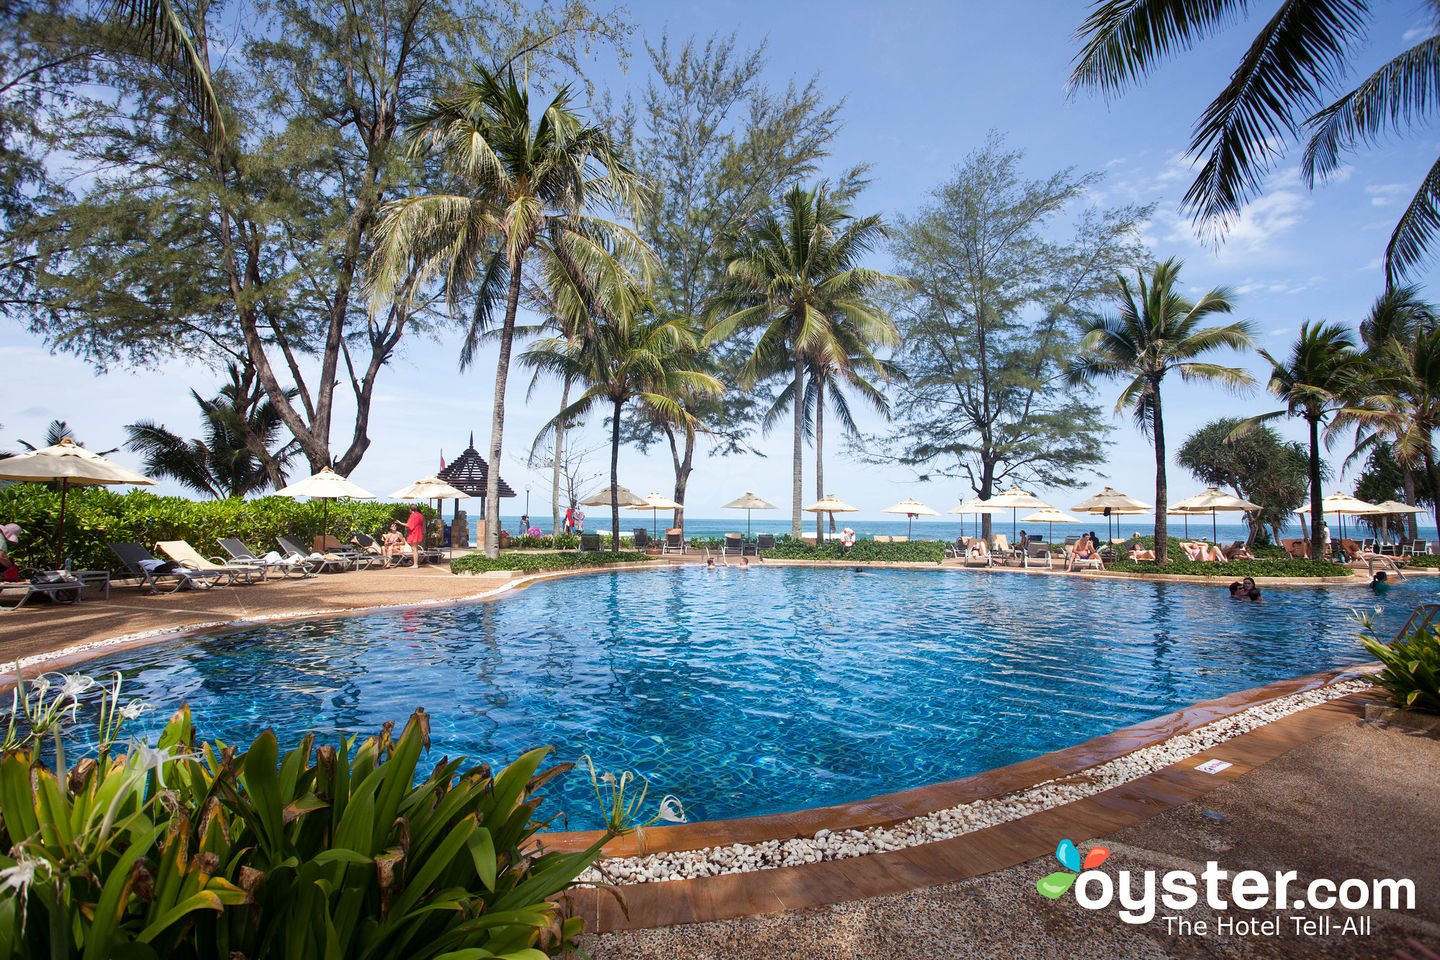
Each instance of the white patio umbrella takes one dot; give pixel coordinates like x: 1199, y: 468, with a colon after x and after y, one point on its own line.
x: 976, y: 506
x: 1212, y: 499
x: 1015, y: 499
x: 912, y: 508
x: 1393, y: 508
x: 601, y: 498
x: 1051, y: 516
x: 1111, y: 502
x: 325, y: 486
x: 827, y: 504
x: 431, y: 488
x: 1341, y: 504
x: 747, y: 502
x: 654, y: 502
x: 68, y: 464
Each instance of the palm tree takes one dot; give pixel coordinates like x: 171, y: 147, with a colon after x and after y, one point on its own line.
x: 633, y: 354
x: 1294, y: 64
x: 60, y: 430
x: 533, y: 182
x: 788, y: 278
x: 1158, y: 331
x: 235, y: 458
x: 1313, y: 382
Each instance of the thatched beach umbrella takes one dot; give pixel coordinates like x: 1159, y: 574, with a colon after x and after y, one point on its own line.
x: 1212, y: 499
x: 325, y: 486
x: 747, y: 502
x: 67, y: 463
x: 654, y: 502
x: 912, y: 508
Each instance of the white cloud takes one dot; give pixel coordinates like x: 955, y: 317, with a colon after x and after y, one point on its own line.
x: 1383, y: 194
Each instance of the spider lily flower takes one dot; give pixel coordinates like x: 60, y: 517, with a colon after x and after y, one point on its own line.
x: 145, y: 758
x: 20, y: 877
x: 671, y: 809
x: 76, y: 684
x: 134, y: 709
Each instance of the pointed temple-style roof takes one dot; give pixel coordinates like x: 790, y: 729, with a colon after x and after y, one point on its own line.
x: 469, y: 472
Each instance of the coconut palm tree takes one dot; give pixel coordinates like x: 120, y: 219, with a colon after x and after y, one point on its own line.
x: 1158, y: 331
x: 235, y: 457
x: 633, y: 354
x: 534, y: 183
x: 1295, y: 63
x: 1314, y: 382
x: 58, y: 430
x: 789, y: 276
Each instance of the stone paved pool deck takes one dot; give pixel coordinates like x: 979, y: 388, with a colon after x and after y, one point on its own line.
x: 1318, y: 791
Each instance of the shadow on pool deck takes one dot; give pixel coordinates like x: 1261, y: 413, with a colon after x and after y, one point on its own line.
x: 1358, y: 802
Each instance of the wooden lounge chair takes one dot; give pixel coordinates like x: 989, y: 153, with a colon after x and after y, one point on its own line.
x: 733, y: 543
x: 160, y: 576
x: 674, y: 542
x: 187, y: 556
x: 764, y: 541
x: 321, y: 562
x: 287, y: 566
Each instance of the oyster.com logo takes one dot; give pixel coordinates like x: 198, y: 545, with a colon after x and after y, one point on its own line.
x: 1058, y: 883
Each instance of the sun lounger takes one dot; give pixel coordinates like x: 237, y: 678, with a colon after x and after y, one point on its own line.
x: 977, y: 551
x: 674, y: 542
x: 1073, y: 562
x: 881, y: 538
x: 733, y: 543
x: 160, y: 576
x: 58, y: 591
x: 359, y: 558
x: 765, y: 541
x: 187, y: 556
x: 956, y: 550
x: 288, y: 566
x: 1037, y: 551
x: 320, y: 562
x: 589, y: 543
x: 642, y: 539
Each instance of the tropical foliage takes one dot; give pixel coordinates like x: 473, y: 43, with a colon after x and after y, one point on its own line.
x: 532, y: 183
x: 789, y: 275
x: 1158, y: 331
x: 478, y: 563
x: 1256, y: 464
x: 1295, y: 63
x: 866, y: 551
x: 1412, y: 668
x: 200, y: 850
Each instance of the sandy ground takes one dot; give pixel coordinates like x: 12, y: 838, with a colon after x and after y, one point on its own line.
x: 1363, y: 802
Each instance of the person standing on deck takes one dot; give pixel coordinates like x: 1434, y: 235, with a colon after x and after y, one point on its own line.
x: 414, y: 535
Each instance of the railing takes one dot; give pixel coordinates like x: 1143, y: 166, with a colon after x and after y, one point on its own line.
x: 1393, y: 566
x: 1426, y: 613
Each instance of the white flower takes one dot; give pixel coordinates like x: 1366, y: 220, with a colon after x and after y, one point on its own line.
x: 133, y: 709
x: 671, y: 809
x: 607, y: 777
x: 145, y: 758
x: 22, y: 875
x: 76, y: 684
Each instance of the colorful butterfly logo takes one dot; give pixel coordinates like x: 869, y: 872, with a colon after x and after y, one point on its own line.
x: 1055, y: 885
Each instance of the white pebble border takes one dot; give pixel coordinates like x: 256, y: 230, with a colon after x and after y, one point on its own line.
x: 961, y: 819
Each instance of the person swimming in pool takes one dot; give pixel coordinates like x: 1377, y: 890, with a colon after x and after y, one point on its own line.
x: 1380, y: 583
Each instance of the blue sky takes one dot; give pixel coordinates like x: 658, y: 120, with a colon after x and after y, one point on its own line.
x: 923, y: 84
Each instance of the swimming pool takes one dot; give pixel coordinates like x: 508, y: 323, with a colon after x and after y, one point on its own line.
x: 756, y: 692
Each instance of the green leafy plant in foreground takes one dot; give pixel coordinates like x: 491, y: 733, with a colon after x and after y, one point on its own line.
x: 190, y: 851
x: 1412, y: 665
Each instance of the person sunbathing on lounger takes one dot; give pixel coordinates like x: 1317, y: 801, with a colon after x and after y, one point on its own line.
x: 1200, y: 551
x: 392, y: 542
x: 979, y: 548
x: 1238, y: 551
x: 1084, y: 550
x: 1138, y: 552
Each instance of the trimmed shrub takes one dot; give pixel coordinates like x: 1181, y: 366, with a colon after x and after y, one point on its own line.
x: 866, y: 551
x: 479, y: 563
x: 1235, y: 569
x: 96, y: 517
x: 1424, y: 561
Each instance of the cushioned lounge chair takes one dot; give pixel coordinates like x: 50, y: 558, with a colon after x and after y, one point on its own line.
x: 733, y: 543
x: 764, y: 541
x: 1038, y: 551
x: 239, y: 571
x: 59, y: 592
x: 674, y: 542
x: 160, y: 576
x: 287, y: 566
x: 321, y: 562
x: 589, y: 543
x: 360, y: 559
x: 642, y: 539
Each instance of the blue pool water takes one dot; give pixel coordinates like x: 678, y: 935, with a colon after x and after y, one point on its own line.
x: 755, y: 692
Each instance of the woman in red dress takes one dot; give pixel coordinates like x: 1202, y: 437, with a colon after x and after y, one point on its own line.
x: 414, y: 533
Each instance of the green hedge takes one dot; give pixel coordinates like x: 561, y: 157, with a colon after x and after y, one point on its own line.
x: 1235, y: 569
x: 866, y: 551
x: 565, y: 541
x: 1422, y: 560
x: 96, y: 517
x: 479, y: 563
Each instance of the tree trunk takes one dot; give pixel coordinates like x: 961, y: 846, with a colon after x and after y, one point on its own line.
x: 615, y: 477
x: 820, y: 459
x: 796, y: 465
x: 1431, y: 473
x: 684, y: 466
x: 556, y: 513
x: 1408, y: 482
x: 1317, y: 516
x: 497, y: 423
x: 1162, y: 492
x: 987, y: 490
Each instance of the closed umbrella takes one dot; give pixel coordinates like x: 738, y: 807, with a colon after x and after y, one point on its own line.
x: 1015, y: 499
x: 1212, y: 499
x: 747, y: 502
x: 912, y: 508
x: 828, y: 504
x: 1111, y: 502
x: 325, y: 486
x: 654, y: 502
x: 68, y: 464
x: 1051, y: 516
